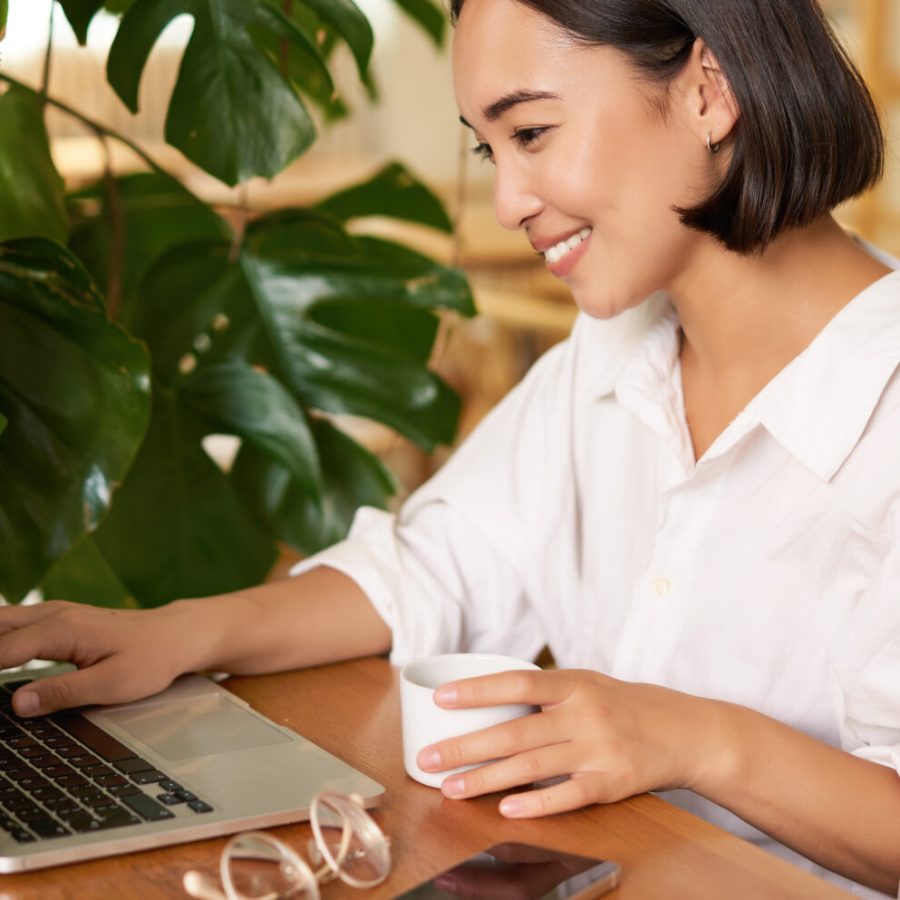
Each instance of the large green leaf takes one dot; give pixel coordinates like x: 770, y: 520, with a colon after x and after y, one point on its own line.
x: 231, y: 112
x: 153, y: 212
x: 392, y: 192
x: 31, y: 190
x: 353, y: 477
x: 74, y: 389
x: 307, y: 321
x: 349, y: 22
x: 303, y: 69
x: 254, y: 406
x: 428, y: 15
x: 80, y: 13
x: 177, y: 529
x: 4, y: 12
x: 84, y: 576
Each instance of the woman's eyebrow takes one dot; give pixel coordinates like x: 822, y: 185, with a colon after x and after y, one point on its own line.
x: 508, y: 101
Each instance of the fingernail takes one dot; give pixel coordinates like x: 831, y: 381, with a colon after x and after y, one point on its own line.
x: 429, y: 759
x: 511, y: 806
x: 445, y: 694
x: 26, y: 703
x: 453, y: 787
x: 445, y: 882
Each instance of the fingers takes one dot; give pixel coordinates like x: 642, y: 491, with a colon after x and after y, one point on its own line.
x: 104, y: 683
x: 38, y: 640
x: 574, y: 793
x: 531, y: 687
x: 13, y: 617
x: 523, y: 768
x: 515, y: 736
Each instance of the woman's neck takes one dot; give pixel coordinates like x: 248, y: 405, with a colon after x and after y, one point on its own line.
x: 744, y: 319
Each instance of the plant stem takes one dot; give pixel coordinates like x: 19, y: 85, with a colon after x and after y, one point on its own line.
x: 287, y: 7
x: 117, y: 234
x: 45, y: 77
x: 93, y: 125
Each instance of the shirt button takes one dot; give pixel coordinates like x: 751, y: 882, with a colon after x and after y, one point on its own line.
x: 662, y: 586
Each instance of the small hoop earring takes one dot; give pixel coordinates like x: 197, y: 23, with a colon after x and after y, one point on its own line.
x: 713, y: 148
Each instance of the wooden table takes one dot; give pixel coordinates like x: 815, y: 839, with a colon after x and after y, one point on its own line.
x: 352, y: 709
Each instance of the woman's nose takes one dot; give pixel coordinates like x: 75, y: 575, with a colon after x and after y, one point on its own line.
x: 515, y: 202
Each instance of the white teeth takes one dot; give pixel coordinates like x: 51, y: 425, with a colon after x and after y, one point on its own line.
x: 555, y: 253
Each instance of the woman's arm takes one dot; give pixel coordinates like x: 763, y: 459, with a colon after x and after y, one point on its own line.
x: 834, y: 808
x: 321, y: 616
x: 618, y: 739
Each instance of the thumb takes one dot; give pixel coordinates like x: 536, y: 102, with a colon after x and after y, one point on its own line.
x: 79, y: 688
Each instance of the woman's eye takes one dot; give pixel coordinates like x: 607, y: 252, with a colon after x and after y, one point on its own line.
x: 525, y: 137
x: 483, y: 151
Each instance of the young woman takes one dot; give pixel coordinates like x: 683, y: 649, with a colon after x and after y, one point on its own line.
x: 693, y: 500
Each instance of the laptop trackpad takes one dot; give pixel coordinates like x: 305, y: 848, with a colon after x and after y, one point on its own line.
x: 201, y: 726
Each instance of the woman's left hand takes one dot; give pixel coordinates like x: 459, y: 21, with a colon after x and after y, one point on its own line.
x: 613, y: 738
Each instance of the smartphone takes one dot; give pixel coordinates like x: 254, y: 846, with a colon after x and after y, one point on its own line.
x: 521, y: 872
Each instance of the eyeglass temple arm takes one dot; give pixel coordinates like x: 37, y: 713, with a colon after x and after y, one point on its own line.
x: 201, y: 886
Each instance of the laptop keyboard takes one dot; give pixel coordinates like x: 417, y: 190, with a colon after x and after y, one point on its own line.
x: 63, y: 775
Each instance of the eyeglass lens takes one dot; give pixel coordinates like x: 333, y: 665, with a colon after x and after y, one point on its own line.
x: 259, y: 867
x: 350, y: 841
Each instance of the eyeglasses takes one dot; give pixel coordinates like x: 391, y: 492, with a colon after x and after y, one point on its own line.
x: 346, y: 844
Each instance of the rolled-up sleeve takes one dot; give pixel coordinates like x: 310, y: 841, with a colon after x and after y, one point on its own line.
x: 438, y: 584
x: 868, y: 665
x: 448, y: 572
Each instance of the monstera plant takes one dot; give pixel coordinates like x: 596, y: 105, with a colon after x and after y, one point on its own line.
x: 135, y: 321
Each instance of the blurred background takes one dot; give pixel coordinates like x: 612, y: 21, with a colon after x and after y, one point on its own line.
x: 523, y: 310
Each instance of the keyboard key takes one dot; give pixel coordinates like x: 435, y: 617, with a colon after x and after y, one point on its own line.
x: 112, y: 780
x: 170, y: 786
x: 19, y: 773
x: 71, y: 781
x: 60, y: 771
x: 96, y: 771
x: 150, y: 777
x: 170, y: 799
x: 48, y: 828
x: 31, y: 784
x: 93, y: 798
x: 123, y: 790
x: 103, y: 744
x: 45, y: 762
x: 21, y: 836
x: 71, y: 751
x: 199, y: 806
x: 47, y: 793
x: 80, y: 821
x: 147, y: 808
x: 82, y: 761
x: 118, y: 818
x: 133, y: 764
x: 187, y: 796
x: 61, y: 806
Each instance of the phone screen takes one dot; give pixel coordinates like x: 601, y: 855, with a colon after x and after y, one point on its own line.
x: 521, y: 872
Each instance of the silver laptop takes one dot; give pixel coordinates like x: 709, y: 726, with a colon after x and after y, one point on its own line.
x: 192, y: 762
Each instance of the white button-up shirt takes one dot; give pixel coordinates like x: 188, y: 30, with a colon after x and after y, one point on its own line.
x: 767, y: 573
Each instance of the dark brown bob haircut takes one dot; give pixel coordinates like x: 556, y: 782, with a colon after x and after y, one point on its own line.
x: 808, y: 137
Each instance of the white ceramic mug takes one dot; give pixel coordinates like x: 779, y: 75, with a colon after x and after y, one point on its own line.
x: 424, y: 722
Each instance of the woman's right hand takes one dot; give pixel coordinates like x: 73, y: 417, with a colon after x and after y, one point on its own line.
x: 120, y: 655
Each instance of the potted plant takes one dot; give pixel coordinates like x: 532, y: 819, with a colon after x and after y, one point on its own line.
x: 135, y: 321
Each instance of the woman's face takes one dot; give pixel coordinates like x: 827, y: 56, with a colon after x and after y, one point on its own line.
x: 585, y: 163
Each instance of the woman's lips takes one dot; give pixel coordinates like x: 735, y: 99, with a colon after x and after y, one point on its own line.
x: 563, y: 267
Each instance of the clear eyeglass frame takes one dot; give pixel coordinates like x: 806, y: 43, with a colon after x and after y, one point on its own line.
x: 346, y: 844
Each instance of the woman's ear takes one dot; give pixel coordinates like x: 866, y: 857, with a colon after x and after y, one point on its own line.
x: 710, y: 105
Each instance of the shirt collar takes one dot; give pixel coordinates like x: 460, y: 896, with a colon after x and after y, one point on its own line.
x: 817, y: 407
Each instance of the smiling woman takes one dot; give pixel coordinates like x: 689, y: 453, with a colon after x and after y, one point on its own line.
x: 693, y: 500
